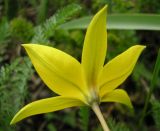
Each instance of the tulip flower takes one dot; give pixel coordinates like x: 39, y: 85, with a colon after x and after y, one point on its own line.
x: 81, y: 84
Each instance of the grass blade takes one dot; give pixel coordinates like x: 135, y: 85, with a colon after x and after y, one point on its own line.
x: 152, y: 87
x: 120, y: 21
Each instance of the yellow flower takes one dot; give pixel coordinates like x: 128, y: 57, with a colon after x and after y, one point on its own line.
x: 85, y: 83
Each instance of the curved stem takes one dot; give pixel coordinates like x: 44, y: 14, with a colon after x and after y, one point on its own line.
x: 152, y: 87
x: 98, y: 113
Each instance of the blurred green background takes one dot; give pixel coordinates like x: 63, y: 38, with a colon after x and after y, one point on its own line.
x: 38, y: 21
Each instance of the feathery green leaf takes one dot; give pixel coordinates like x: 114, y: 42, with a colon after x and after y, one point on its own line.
x: 156, y: 113
x: 46, y: 29
x: 84, y: 114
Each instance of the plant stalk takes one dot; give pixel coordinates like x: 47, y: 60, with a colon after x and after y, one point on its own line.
x: 98, y: 113
x: 152, y: 87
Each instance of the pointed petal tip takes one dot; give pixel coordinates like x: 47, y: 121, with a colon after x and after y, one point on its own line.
x: 141, y: 46
x: 104, y: 9
x: 26, y: 45
x: 29, y: 45
x: 13, y: 121
x: 130, y: 106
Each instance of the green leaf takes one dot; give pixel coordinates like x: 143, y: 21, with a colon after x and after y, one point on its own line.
x: 81, y: 23
x: 155, y: 72
x: 156, y: 112
x: 120, y: 21
x: 4, y: 30
x: 51, y: 127
x: 114, y: 126
x: 42, y: 10
x: 70, y: 119
x: 84, y: 114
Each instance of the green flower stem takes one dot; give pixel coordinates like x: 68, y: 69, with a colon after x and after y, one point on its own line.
x: 98, y: 113
x: 152, y: 87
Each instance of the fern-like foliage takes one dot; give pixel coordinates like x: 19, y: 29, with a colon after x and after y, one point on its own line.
x: 39, y: 36
x: 84, y: 114
x: 156, y: 113
x: 114, y: 126
x: 46, y: 30
x: 13, y: 90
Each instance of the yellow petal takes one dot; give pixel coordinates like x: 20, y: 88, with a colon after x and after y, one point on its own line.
x: 94, y: 49
x: 60, y: 72
x: 118, y: 69
x: 117, y: 95
x: 45, y: 106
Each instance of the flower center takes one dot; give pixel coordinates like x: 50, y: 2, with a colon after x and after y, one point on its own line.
x: 94, y: 97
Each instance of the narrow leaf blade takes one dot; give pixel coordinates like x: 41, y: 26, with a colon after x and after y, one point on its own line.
x: 120, y: 22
